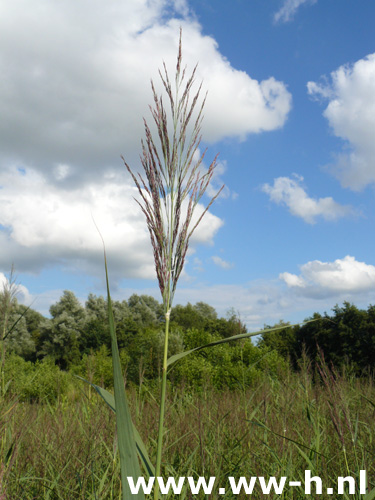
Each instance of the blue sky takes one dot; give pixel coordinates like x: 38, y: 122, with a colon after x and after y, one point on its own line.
x: 290, y: 109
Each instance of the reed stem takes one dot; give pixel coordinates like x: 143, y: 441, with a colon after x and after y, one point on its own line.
x: 162, y: 408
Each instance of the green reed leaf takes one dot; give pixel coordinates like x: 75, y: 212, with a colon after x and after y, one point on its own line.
x: 125, y: 434
x: 141, y: 448
x: 180, y: 355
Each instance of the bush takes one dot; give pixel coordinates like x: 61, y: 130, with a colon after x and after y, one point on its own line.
x: 234, y: 365
x: 97, y: 368
x: 37, y: 382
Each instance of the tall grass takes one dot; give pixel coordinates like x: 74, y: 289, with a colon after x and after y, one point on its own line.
x: 281, y: 426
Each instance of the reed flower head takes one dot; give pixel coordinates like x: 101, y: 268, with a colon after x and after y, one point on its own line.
x: 173, y: 175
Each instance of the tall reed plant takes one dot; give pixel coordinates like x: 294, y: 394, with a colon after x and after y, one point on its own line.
x: 174, y: 182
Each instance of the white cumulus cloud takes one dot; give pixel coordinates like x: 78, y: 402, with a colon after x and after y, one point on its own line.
x: 76, y: 75
x: 288, y: 10
x: 290, y: 193
x: 342, y: 276
x: 351, y: 115
x: 47, y: 224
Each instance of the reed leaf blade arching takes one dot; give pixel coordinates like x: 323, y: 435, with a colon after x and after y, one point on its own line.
x: 141, y: 448
x: 180, y: 355
x: 129, y: 464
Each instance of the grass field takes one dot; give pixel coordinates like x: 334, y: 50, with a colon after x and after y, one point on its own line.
x: 279, y: 428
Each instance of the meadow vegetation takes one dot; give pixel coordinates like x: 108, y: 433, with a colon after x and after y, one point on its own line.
x: 63, y: 445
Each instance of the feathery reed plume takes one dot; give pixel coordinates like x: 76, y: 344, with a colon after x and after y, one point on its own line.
x: 173, y: 182
x: 172, y: 175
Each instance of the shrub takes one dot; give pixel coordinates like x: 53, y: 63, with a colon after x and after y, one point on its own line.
x: 42, y: 381
x: 97, y: 368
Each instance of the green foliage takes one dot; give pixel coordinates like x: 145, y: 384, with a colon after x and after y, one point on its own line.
x: 33, y: 321
x: 78, y: 338
x: 145, y: 310
x: 193, y: 316
x: 347, y: 337
x: 232, y: 365
x: 59, y: 336
x: 195, y: 337
x: 94, y: 335
x: 202, y: 316
x: 18, y: 338
x: 195, y: 371
x: 185, y: 317
x: 205, y: 311
x: 97, y: 367
x: 284, y: 342
x: 146, y: 353
x: 40, y: 381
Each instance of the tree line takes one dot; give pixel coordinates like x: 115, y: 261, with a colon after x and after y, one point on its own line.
x: 76, y: 337
x: 344, y: 337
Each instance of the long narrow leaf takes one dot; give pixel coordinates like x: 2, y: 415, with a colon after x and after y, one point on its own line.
x: 180, y: 355
x: 126, y: 442
x: 141, y: 449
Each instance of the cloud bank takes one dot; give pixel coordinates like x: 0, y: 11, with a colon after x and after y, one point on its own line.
x: 76, y: 82
x: 48, y: 225
x: 290, y: 193
x: 75, y: 85
x: 292, y: 297
x: 351, y: 115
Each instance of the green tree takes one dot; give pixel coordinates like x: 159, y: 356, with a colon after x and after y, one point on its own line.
x: 59, y: 336
x: 368, y: 338
x: 235, y: 326
x: 33, y: 321
x: 205, y: 311
x: 186, y: 317
x: 284, y: 342
x: 96, y: 307
x: 18, y: 338
x: 345, y: 337
x: 96, y: 331
x: 145, y: 310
